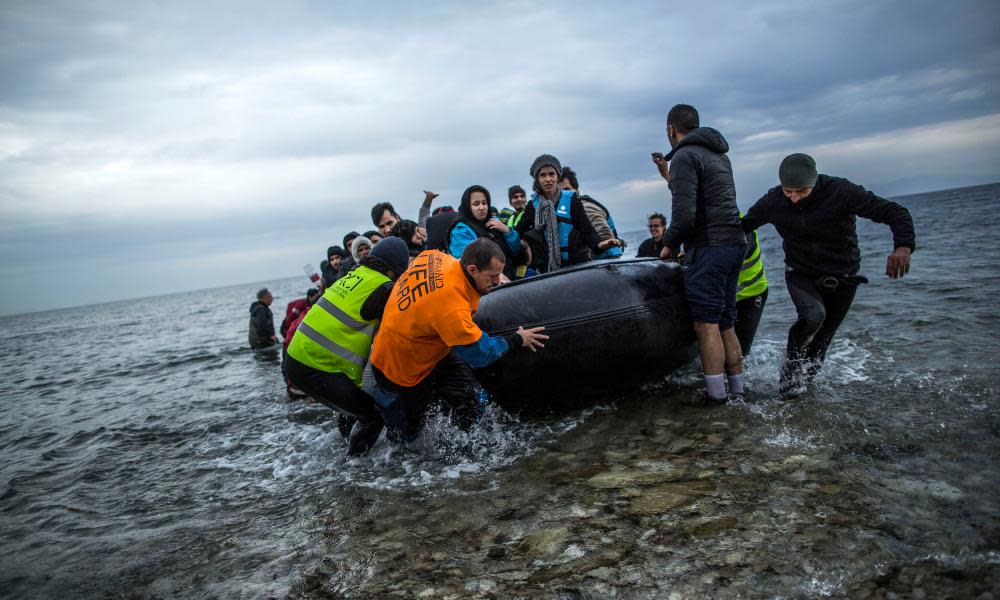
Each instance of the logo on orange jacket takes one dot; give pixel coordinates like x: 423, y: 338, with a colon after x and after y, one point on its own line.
x: 425, y: 276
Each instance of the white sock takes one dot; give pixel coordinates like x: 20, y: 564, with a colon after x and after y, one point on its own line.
x: 736, y: 384
x: 715, y: 385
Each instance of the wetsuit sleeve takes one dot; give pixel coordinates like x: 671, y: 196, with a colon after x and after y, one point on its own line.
x: 482, y: 352
x: 461, y: 236
x: 578, y: 215
x: 375, y: 303
x: 757, y: 215
x: 868, y: 205
x: 683, y: 199
x: 422, y: 214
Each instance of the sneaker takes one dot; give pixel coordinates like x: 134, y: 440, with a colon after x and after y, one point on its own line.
x: 702, y: 398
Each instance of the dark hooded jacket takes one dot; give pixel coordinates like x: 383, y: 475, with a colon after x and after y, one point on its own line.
x: 703, y: 205
x: 819, y: 234
x: 261, y: 325
x: 438, y: 227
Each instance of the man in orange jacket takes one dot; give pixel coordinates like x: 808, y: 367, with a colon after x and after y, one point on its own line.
x: 428, y: 344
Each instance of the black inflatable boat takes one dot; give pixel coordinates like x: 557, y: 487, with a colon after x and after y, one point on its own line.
x: 612, y: 324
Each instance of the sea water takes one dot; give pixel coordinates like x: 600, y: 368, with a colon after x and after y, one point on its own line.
x: 145, y: 451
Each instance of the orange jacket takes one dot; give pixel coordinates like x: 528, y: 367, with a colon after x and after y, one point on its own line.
x: 430, y: 311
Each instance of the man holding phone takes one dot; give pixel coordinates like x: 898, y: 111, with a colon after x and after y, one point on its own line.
x: 705, y: 219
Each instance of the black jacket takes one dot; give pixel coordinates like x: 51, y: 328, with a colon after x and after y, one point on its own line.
x: 261, y: 325
x: 703, y: 205
x: 818, y: 233
x: 650, y: 248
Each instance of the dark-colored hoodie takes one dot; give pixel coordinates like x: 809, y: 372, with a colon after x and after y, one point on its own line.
x: 703, y: 204
x: 818, y: 233
x: 261, y: 325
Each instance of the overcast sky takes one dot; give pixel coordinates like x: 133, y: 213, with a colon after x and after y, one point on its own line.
x: 151, y: 147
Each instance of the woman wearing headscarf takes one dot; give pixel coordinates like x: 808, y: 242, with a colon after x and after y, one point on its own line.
x: 558, y: 220
x: 474, y: 221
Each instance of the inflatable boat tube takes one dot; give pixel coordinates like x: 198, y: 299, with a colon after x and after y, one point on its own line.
x: 612, y: 324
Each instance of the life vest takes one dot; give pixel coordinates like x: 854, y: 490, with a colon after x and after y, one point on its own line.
x: 613, y: 251
x: 563, y: 217
x: 752, y: 281
x: 333, y: 337
x: 515, y: 219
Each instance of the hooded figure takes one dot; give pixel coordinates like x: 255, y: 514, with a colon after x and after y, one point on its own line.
x: 475, y: 221
x: 358, y: 243
x: 348, y: 262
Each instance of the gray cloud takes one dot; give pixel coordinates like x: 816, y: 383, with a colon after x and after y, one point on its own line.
x: 194, y: 137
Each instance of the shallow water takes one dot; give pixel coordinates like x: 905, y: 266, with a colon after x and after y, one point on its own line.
x: 147, y: 452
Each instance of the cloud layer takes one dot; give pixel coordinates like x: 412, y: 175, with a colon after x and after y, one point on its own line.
x: 167, y: 147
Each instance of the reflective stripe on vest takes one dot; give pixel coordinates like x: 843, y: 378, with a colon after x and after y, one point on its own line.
x: 752, y: 281
x: 563, y: 217
x: 333, y: 337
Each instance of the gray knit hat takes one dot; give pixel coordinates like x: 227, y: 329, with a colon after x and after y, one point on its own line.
x: 543, y: 161
x: 797, y: 171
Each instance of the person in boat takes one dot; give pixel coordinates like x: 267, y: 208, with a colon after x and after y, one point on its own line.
x: 704, y: 219
x: 348, y: 262
x: 331, y: 271
x: 598, y: 214
x: 652, y: 246
x: 474, y: 221
x: 517, y: 199
x: 262, y: 321
x: 558, y: 221
x: 329, y: 350
x: 294, y: 309
x: 815, y: 215
x: 412, y: 234
x: 384, y: 216
x: 428, y: 344
x: 360, y: 248
x: 438, y: 226
x: 751, y: 294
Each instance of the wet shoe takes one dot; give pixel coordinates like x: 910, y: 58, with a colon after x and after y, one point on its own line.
x: 363, y: 438
x: 703, y: 399
x: 738, y: 398
x: 344, y: 424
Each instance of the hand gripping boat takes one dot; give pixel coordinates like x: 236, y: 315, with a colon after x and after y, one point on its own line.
x: 612, y: 324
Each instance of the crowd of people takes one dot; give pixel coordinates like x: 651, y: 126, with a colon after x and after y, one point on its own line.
x: 391, y: 331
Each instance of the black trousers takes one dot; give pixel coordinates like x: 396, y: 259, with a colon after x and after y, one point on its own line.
x: 748, y: 312
x: 821, y: 304
x: 334, y: 390
x: 451, y: 385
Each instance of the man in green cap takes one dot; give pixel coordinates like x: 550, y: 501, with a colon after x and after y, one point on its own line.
x: 815, y: 217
